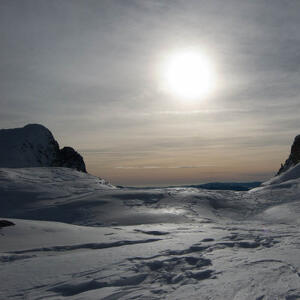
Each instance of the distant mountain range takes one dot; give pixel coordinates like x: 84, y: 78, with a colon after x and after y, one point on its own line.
x: 225, y: 186
x: 234, y: 186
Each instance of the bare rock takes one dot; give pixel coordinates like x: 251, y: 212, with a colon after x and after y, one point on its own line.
x: 5, y: 223
x: 69, y: 158
x: 294, y: 157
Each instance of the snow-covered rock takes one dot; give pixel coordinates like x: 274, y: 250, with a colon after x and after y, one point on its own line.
x: 5, y: 223
x: 30, y: 146
x: 35, y: 146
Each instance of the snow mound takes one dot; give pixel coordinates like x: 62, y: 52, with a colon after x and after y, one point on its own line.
x: 291, y: 174
x: 58, y: 194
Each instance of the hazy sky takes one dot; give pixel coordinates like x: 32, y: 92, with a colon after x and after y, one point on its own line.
x: 90, y: 72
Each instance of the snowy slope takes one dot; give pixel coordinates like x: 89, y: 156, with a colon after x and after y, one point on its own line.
x: 167, y: 243
x: 291, y: 174
x: 58, y: 194
x: 278, y: 199
x: 66, y: 195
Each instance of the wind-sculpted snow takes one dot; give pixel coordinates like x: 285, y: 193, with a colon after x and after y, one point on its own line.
x: 164, y: 243
x: 239, y: 260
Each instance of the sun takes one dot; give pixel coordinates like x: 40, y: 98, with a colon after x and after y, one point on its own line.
x: 189, y: 75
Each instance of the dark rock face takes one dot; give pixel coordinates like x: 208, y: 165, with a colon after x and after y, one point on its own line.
x: 30, y: 146
x: 34, y: 146
x: 69, y: 158
x: 5, y: 223
x: 294, y: 157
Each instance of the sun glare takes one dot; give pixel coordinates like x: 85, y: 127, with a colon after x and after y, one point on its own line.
x: 189, y: 75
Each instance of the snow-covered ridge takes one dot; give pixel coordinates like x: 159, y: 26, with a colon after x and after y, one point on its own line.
x: 49, y: 193
x: 35, y: 146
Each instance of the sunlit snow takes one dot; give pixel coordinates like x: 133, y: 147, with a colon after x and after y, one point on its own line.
x: 163, y: 243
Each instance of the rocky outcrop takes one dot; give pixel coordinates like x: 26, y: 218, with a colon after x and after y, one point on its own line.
x: 35, y: 146
x: 69, y: 158
x: 5, y: 223
x: 294, y: 157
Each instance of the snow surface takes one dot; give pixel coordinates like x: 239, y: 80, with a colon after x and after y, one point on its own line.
x: 293, y: 173
x: 163, y: 243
